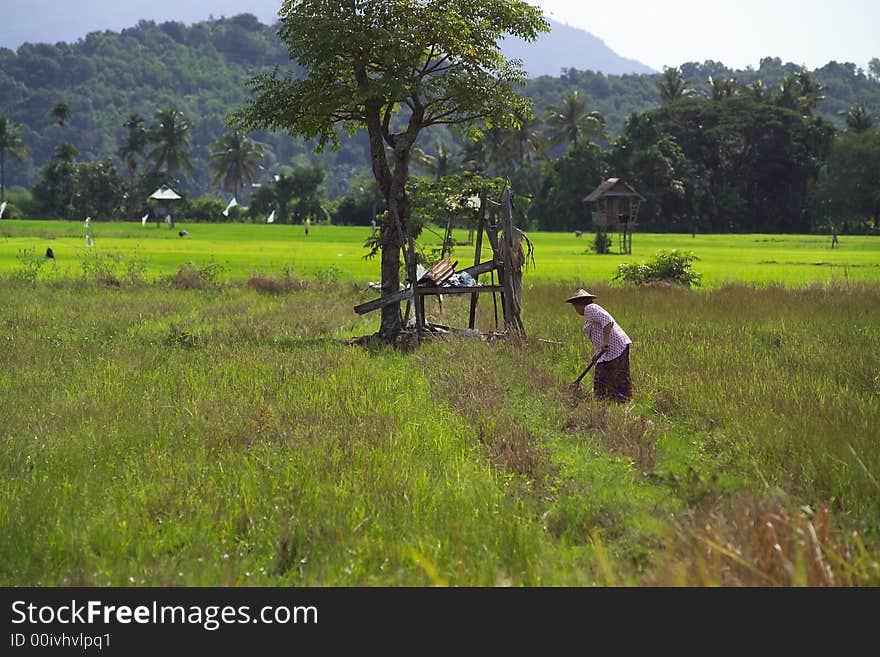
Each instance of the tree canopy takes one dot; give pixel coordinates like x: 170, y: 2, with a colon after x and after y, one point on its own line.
x: 394, y: 69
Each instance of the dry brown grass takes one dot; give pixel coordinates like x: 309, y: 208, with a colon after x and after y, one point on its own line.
x: 618, y: 429
x: 189, y: 277
x: 514, y: 449
x: 275, y: 284
x: 760, y: 542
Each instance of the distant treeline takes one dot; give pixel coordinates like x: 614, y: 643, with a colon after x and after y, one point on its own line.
x: 766, y: 149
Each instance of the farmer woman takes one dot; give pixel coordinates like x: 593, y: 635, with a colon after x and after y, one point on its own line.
x: 612, y: 379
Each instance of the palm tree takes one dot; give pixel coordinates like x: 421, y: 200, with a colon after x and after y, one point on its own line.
x: 134, y: 144
x: 523, y: 139
x: 811, y: 91
x: 481, y: 155
x: 570, y: 122
x: 874, y: 69
x: 235, y: 158
x: 438, y: 165
x: 10, y: 142
x: 674, y: 86
x: 65, y: 152
x: 757, y: 89
x: 61, y: 111
x: 800, y: 92
x: 171, y: 136
x: 858, y: 118
x: 722, y: 87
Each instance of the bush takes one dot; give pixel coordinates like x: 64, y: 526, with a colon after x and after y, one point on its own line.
x: 190, y: 276
x: 112, y: 269
x: 30, y: 264
x: 270, y: 285
x: 668, y: 266
x: 10, y: 211
x: 602, y: 243
x: 20, y: 204
x: 206, y: 208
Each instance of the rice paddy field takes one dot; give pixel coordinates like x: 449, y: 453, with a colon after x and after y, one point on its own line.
x: 239, y: 250
x: 187, y: 411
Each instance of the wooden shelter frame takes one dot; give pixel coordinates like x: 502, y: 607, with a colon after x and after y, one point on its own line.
x: 503, y: 262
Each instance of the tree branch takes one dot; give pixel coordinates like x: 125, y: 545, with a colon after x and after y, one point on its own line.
x: 439, y: 68
x: 386, y: 125
x: 461, y: 119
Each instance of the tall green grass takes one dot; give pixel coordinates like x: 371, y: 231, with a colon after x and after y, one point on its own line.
x: 228, y: 435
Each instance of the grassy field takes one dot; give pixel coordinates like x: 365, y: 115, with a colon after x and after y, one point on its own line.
x: 217, y: 430
x: 242, y: 249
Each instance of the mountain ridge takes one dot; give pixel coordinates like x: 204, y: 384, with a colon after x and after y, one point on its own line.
x: 53, y: 21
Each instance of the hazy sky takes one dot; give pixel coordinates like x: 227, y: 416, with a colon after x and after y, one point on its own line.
x: 669, y: 32
x: 655, y: 32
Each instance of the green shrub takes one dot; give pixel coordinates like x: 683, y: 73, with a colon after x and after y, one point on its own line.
x: 11, y: 211
x: 112, y: 269
x: 602, y: 243
x: 672, y: 266
x: 30, y: 263
x: 190, y: 276
x: 20, y: 203
x: 206, y: 208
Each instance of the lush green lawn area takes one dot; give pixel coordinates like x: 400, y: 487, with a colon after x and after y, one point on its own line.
x: 242, y: 249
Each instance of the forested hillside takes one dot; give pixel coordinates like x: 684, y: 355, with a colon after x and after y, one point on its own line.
x: 200, y: 71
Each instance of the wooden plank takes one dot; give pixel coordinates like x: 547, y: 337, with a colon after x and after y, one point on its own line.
x: 439, y: 271
x: 482, y: 268
x: 381, y: 302
x: 426, y: 291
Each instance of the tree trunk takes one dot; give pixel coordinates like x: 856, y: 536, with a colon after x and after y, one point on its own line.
x: 392, y: 323
x: 394, y: 238
x: 2, y: 176
x: 392, y: 184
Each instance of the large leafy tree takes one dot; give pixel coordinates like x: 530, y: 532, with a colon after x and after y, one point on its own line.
x: 235, y: 158
x: 394, y: 68
x: 849, y: 187
x: 56, y: 191
x: 294, y: 195
x: 737, y: 164
x: 170, y: 134
x: 11, y: 143
x: 648, y: 157
x: 559, y: 203
x: 99, y: 190
x: 60, y: 112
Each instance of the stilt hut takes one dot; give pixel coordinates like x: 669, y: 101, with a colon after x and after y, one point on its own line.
x: 164, y: 197
x: 616, y: 209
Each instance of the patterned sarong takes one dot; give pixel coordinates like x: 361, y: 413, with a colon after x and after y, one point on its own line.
x: 612, y: 380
